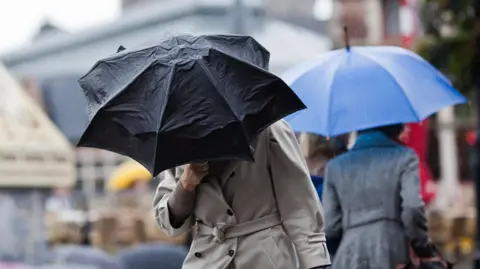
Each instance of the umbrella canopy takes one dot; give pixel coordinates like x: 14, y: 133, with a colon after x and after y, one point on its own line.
x: 86, y: 256
x: 163, y: 256
x: 126, y: 174
x: 363, y: 87
x: 187, y: 99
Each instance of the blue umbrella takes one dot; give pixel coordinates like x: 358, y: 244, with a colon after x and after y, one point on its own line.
x: 363, y: 87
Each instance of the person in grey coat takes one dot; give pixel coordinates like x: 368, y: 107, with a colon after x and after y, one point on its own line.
x: 372, y: 203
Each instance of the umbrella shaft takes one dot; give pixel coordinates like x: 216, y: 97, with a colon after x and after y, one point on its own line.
x: 239, y: 17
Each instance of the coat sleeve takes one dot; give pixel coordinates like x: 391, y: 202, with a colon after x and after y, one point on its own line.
x: 297, y: 200
x: 173, y: 205
x: 413, y: 209
x: 333, y: 210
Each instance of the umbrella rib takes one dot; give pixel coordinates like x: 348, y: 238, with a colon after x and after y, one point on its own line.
x: 294, y: 74
x: 391, y: 74
x: 169, y: 93
x: 165, y: 101
x: 119, y: 91
x: 210, y: 78
x: 299, y: 73
x: 330, y: 96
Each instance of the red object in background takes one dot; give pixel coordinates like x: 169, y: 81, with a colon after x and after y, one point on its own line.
x: 407, y: 41
x: 416, y: 137
x: 471, y: 138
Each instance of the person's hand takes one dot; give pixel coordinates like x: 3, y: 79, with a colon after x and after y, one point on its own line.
x: 193, y: 175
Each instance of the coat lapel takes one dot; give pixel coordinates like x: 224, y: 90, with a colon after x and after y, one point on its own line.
x: 222, y: 170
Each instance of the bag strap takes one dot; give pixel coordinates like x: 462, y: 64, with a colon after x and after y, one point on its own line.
x: 416, y: 261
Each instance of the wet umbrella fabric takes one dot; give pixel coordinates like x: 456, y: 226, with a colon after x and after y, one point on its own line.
x: 187, y: 99
x: 87, y: 256
x: 364, y: 87
x: 163, y: 256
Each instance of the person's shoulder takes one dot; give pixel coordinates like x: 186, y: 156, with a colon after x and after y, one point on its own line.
x: 398, y: 155
x: 403, y: 151
x: 407, y: 155
x: 280, y: 126
x: 337, y: 160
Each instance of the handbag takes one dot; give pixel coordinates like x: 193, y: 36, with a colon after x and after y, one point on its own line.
x: 437, y: 262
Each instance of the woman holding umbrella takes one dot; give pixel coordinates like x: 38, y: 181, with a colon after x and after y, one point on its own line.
x: 372, y: 193
x: 384, y: 206
x: 192, y: 99
x: 248, y: 215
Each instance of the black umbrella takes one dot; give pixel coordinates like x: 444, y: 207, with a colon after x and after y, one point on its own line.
x: 187, y: 99
x: 163, y: 256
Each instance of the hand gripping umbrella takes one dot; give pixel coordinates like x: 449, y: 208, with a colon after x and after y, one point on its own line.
x: 187, y: 99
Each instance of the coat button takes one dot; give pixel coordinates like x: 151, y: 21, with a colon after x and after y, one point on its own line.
x: 198, y: 254
x: 231, y: 253
x: 229, y: 212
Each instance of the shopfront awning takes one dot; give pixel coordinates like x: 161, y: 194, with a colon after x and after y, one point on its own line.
x: 33, y: 152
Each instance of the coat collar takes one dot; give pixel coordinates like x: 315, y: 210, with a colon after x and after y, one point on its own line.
x: 223, y: 170
x: 373, y: 139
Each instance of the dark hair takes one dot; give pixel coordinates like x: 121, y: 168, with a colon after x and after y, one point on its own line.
x: 392, y: 131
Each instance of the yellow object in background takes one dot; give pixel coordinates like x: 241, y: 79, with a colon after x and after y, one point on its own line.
x: 462, y: 246
x: 466, y: 246
x: 126, y: 175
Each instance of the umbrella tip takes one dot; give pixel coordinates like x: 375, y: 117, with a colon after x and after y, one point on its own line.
x: 347, y: 41
x: 121, y: 48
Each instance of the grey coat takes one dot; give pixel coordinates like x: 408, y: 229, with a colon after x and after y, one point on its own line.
x: 372, y: 201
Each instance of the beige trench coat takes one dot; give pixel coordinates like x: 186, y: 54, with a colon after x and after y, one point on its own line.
x: 238, y: 220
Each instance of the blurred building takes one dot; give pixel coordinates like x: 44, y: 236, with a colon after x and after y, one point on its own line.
x: 47, y: 30
x: 127, y: 4
x: 303, y: 13
x: 315, y: 15
x: 374, y: 21
x: 57, y: 61
x: 32, y: 150
x: 34, y: 157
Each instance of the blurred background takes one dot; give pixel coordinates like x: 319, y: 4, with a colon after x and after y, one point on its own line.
x: 46, y: 45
